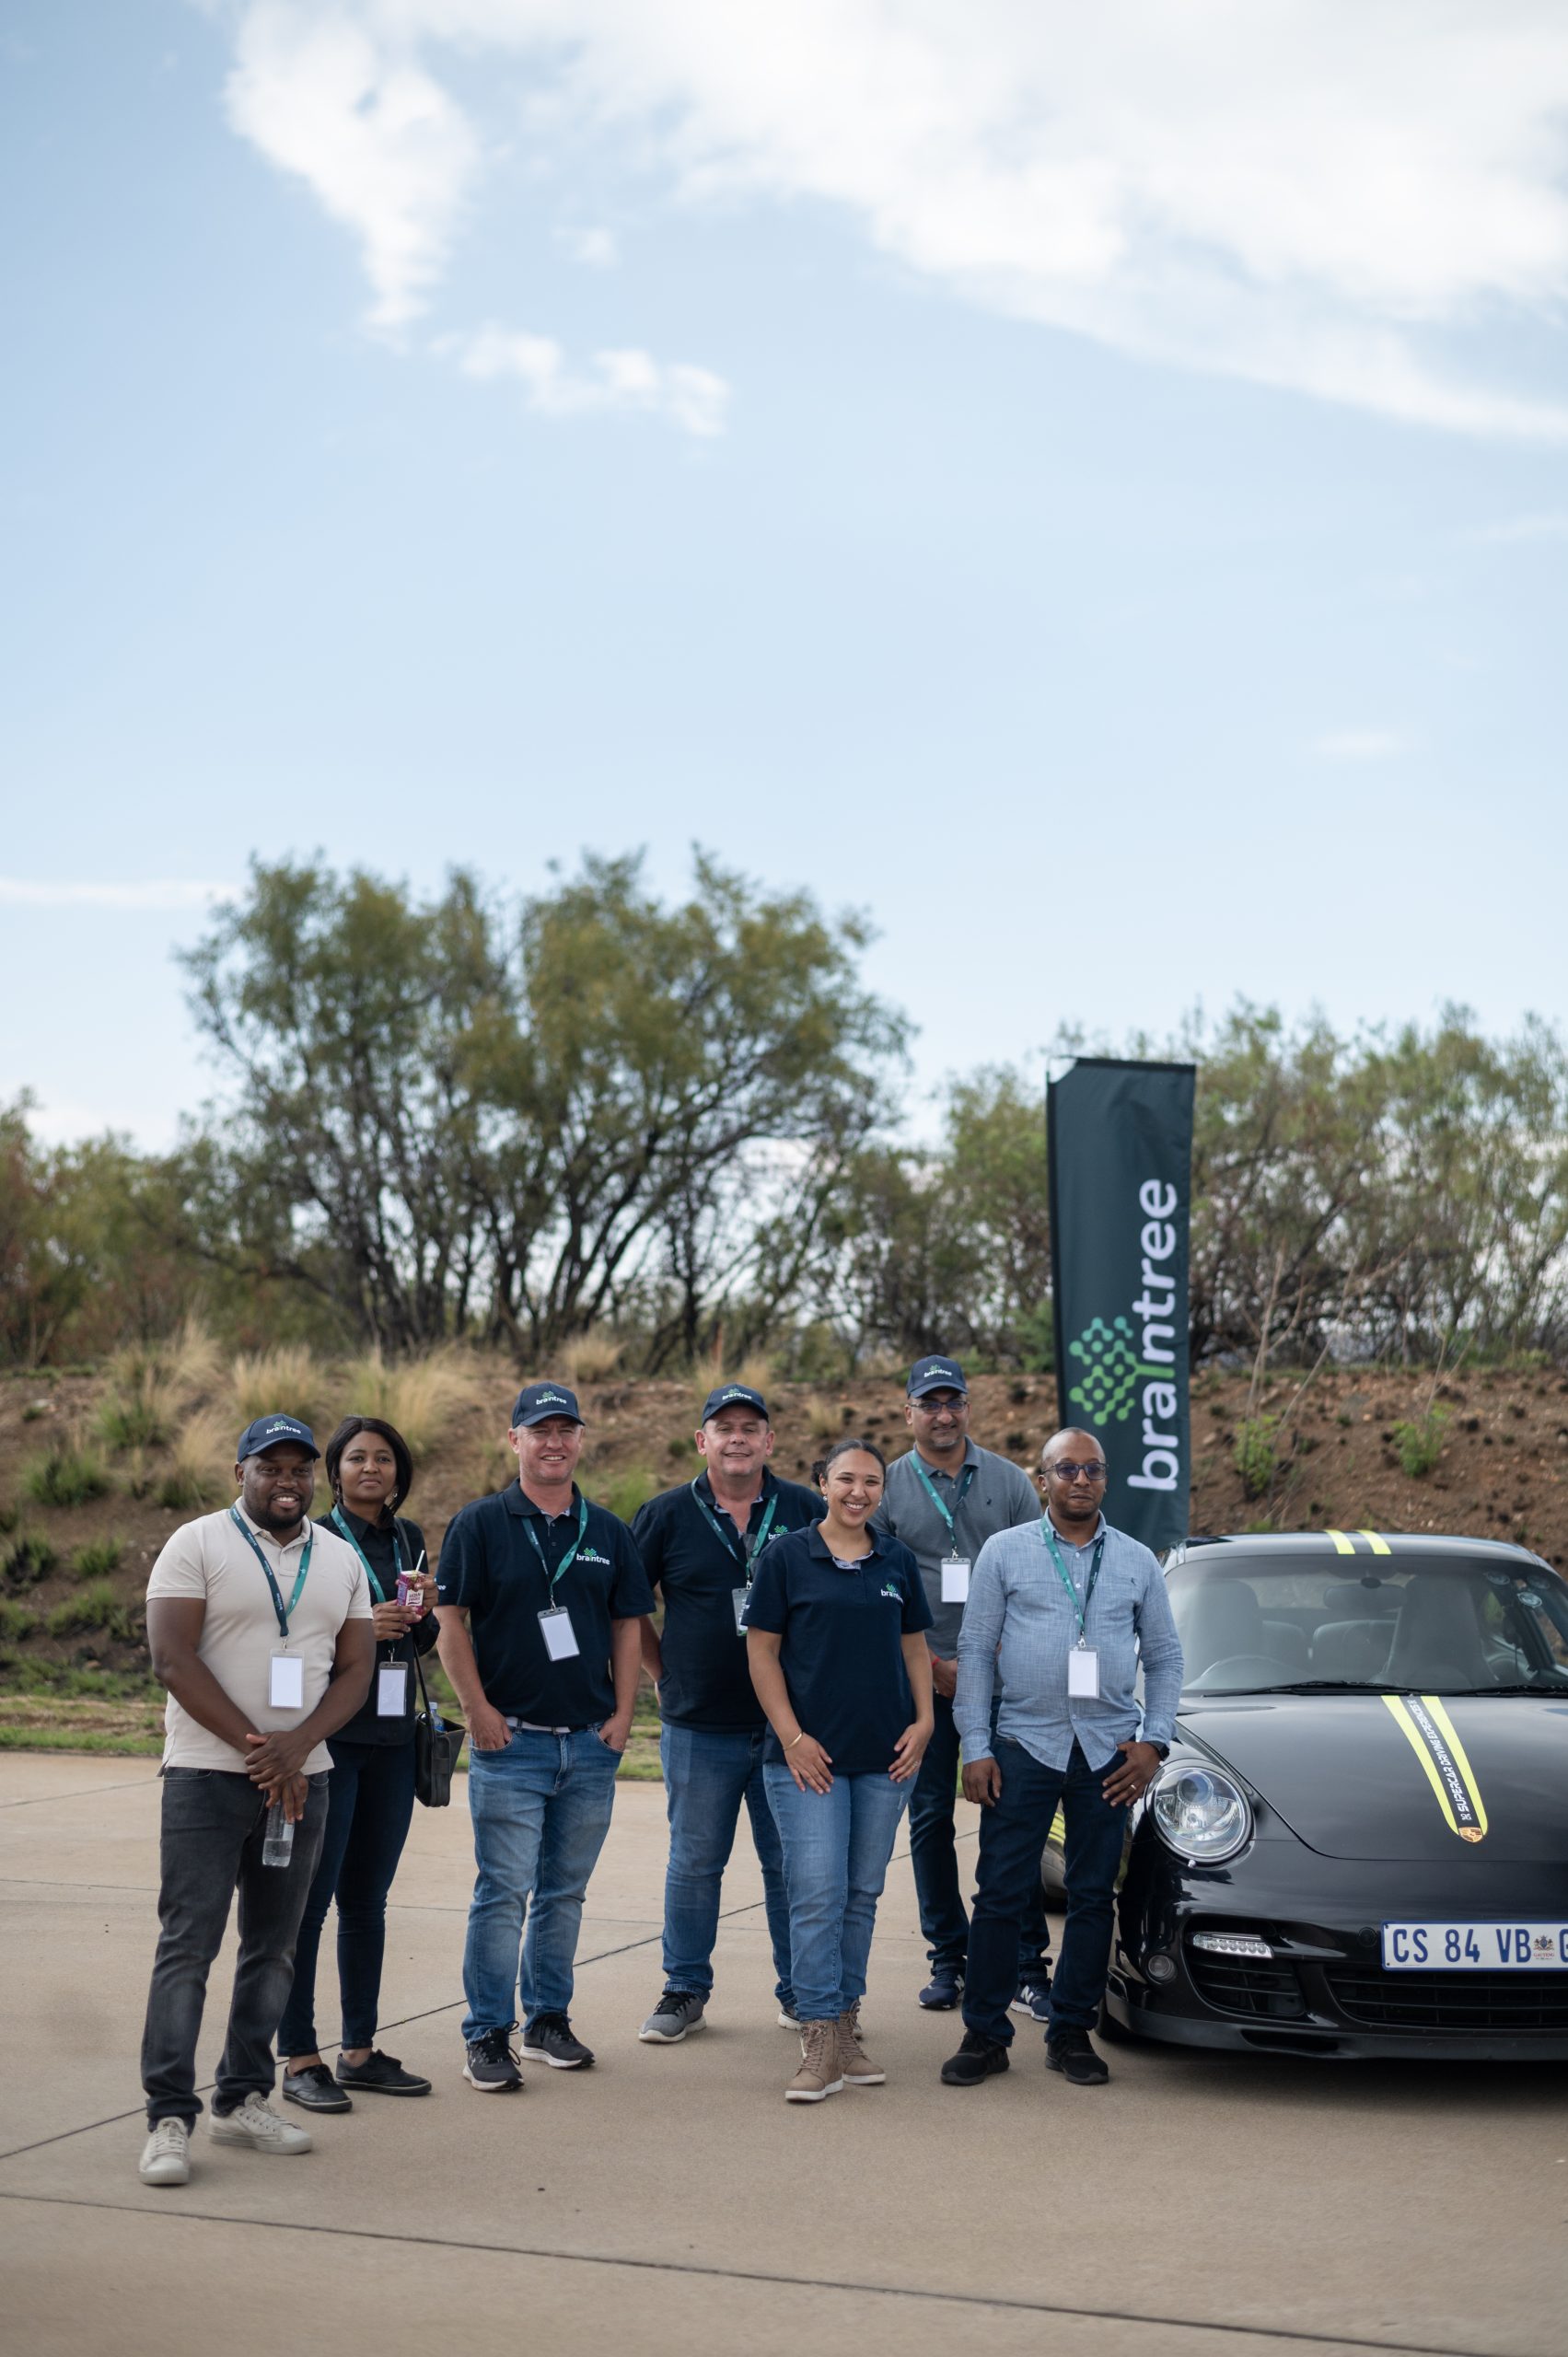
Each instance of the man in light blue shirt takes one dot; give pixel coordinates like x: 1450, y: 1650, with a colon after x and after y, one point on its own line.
x: 1064, y: 1611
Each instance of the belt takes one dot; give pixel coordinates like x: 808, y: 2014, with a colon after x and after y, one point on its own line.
x: 532, y: 1726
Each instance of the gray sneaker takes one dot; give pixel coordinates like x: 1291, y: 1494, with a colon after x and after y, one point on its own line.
x: 677, y: 2015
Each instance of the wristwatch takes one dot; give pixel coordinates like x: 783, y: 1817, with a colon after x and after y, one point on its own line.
x: 1162, y: 1750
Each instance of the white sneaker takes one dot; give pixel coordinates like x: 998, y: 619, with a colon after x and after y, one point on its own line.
x: 257, y: 2124
x: 166, y: 2156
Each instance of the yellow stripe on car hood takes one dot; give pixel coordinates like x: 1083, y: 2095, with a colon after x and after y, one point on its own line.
x: 1430, y: 1734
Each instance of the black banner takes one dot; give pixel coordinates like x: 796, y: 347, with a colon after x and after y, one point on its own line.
x: 1119, y: 1138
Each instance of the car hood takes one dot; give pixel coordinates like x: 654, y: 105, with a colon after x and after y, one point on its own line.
x: 1428, y: 1778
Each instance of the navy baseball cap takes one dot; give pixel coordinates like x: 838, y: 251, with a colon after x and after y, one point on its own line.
x: 270, y: 1432
x: 734, y: 1395
x: 935, y: 1375
x: 537, y: 1402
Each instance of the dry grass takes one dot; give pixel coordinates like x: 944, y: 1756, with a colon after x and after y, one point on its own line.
x: 590, y: 1358
x: 287, y: 1381
x: 756, y: 1372
x: 199, y: 1470
x: 422, y: 1398
x: 824, y: 1416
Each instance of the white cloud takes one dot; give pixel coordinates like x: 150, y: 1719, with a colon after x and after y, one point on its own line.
x: 692, y: 398
x: 1330, y: 195
x: 594, y: 248
x: 1362, y: 745
x: 172, y: 894
x: 332, y: 99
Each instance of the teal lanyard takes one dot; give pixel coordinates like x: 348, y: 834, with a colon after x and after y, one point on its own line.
x: 935, y: 1494
x: 748, y: 1552
x: 1080, y: 1611
x: 569, y: 1558
x: 279, y: 1606
x: 381, y: 1595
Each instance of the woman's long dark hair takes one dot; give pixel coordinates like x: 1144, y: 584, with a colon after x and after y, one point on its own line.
x: 350, y: 1429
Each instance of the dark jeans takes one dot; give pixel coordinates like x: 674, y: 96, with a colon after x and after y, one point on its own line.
x: 1012, y: 1835
x: 211, y: 1845
x: 943, y: 1921
x: 369, y: 1805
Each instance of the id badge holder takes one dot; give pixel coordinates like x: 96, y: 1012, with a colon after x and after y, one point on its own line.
x: 1083, y: 1673
x: 955, y: 1579
x: 740, y: 1597
x: 286, y: 1687
x: 560, y: 1637
x: 392, y: 1689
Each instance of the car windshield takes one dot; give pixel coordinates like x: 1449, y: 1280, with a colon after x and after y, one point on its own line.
x: 1253, y: 1623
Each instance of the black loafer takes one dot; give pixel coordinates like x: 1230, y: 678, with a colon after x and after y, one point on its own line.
x: 978, y: 2058
x: 315, y: 2089
x: 381, y: 2075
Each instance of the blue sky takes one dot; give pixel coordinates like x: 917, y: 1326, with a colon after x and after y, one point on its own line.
x: 1096, y: 498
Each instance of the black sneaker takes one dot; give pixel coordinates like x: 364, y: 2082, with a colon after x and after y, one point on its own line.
x: 978, y: 2058
x: 491, y: 2067
x: 1071, y: 2053
x: 677, y: 2015
x: 548, y: 2040
x: 382, y: 2074
x: 943, y: 1991
x: 1033, y: 1997
x: 314, y: 2090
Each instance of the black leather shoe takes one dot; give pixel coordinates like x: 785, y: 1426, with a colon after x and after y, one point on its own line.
x: 314, y: 2089
x: 978, y: 2058
x: 1073, y: 2055
x: 381, y: 2075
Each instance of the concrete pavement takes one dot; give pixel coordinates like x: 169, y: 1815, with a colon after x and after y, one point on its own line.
x: 670, y: 2201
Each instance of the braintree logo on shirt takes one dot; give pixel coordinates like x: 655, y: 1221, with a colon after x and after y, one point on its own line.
x: 891, y: 1587
x: 591, y: 1555
x: 1114, y: 1364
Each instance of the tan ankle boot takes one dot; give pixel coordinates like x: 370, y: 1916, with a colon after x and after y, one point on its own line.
x: 858, y: 2069
x: 818, y: 2074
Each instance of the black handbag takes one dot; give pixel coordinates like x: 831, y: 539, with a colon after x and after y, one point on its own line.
x: 437, y: 1747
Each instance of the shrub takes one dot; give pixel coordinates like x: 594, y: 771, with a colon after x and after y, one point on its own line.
x: 138, y: 1419
x: 289, y: 1381
x: 1257, y: 1453
x: 98, y: 1609
x: 66, y: 1477
x: 421, y: 1397
x: 1419, y: 1442
x: 98, y: 1556
x: 35, y: 1411
x: 625, y: 1492
x: 592, y: 1357
x: 200, y: 1468
x: 9, y: 1515
x: 824, y: 1418
x: 17, y: 1621
x: 30, y: 1560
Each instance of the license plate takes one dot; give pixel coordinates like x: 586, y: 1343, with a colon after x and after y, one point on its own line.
x: 1475, y: 1948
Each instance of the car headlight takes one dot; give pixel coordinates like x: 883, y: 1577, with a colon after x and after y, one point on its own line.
x: 1201, y: 1813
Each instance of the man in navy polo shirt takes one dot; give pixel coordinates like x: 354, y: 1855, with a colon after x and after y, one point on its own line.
x: 700, y: 1544
x: 544, y: 1595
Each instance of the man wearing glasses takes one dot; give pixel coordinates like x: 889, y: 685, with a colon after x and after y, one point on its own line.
x: 945, y: 1500
x: 1066, y: 1610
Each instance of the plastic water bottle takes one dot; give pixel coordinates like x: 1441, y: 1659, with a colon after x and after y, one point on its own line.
x: 277, y: 1842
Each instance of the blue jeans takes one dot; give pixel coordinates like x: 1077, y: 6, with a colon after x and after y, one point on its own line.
x: 943, y: 1921
x: 836, y: 1848
x: 1012, y: 1835
x: 541, y: 1810
x: 369, y: 1805
x: 706, y: 1776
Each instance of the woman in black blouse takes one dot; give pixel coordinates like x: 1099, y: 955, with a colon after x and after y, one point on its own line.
x: 370, y: 1795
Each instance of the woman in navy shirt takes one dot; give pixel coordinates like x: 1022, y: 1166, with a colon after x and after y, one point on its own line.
x: 835, y: 1645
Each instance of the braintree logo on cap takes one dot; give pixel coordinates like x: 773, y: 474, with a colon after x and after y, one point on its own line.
x: 930, y: 1370
x: 551, y: 1398
x: 283, y: 1424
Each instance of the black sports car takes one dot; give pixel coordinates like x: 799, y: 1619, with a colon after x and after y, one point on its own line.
x: 1359, y: 1844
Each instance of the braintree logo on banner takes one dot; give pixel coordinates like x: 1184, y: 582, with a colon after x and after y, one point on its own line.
x: 1130, y: 1368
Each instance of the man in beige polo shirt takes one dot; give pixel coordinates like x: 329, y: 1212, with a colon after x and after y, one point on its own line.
x: 259, y: 1625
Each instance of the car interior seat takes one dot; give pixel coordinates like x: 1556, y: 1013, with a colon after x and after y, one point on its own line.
x: 1437, y: 1637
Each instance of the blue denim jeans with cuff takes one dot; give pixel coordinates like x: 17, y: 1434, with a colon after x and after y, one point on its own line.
x: 836, y: 1848
x: 707, y: 1775
x: 540, y: 1809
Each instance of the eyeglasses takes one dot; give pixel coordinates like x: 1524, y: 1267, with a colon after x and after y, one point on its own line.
x: 1076, y: 1472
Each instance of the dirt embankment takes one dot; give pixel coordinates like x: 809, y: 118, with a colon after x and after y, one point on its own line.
x: 1501, y: 1437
